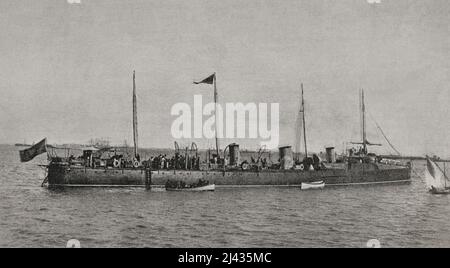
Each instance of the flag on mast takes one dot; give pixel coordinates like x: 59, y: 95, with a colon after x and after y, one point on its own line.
x: 35, y: 150
x: 209, y: 80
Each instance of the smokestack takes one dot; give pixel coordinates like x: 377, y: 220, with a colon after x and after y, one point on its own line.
x: 331, y: 156
x: 286, y: 160
x: 234, y: 154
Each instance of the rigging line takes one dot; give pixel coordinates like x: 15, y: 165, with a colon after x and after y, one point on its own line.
x: 384, y: 135
x: 415, y: 172
x: 297, y: 130
x: 297, y: 134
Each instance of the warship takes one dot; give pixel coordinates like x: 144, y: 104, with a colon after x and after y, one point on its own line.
x: 109, y: 167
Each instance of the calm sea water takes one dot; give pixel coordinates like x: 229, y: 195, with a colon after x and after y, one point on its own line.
x: 398, y: 216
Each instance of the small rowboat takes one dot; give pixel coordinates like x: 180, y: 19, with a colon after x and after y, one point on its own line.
x: 200, y: 186
x: 206, y: 188
x: 312, y: 185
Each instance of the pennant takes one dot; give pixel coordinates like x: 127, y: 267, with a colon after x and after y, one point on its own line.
x: 209, y: 80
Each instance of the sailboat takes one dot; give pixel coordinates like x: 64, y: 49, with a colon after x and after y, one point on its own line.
x: 436, y: 180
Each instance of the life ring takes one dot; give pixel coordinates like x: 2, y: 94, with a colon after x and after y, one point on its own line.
x: 301, y: 167
x: 136, y: 164
x: 116, y: 163
x: 245, y: 166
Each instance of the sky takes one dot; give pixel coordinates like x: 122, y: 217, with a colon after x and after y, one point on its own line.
x: 66, y: 67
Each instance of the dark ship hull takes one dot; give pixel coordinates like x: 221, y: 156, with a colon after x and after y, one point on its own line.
x: 64, y: 175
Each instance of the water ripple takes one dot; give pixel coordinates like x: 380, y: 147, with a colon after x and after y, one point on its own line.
x: 398, y: 216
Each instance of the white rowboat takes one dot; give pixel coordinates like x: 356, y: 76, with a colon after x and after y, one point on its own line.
x: 440, y: 191
x: 312, y: 185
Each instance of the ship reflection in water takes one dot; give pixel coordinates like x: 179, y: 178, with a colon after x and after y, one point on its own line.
x: 396, y: 215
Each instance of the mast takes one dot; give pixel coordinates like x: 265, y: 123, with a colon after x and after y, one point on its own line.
x: 135, y: 126
x: 304, y: 124
x: 360, y: 115
x: 216, y: 99
x: 363, y: 111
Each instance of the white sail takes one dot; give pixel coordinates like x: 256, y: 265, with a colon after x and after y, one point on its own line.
x: 434, y: 177
x: 429, y: 180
